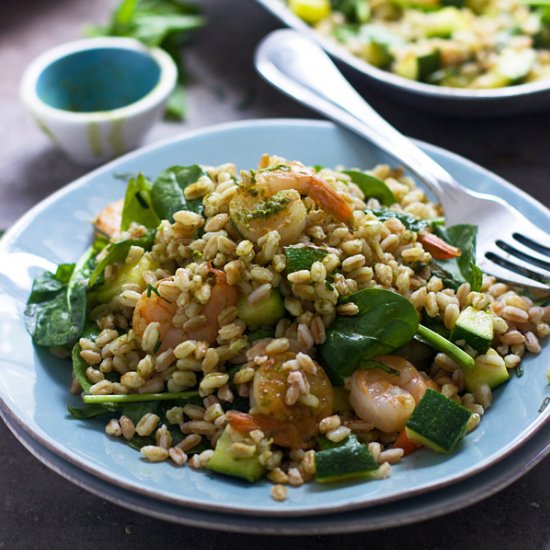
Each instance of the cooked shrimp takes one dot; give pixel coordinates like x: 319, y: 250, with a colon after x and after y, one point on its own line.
x: 387, y: 400
x: 152, y: 308
x: 222, y: 295
x: 271, y: 201
x: 107, y: 222
x: 292, y: 425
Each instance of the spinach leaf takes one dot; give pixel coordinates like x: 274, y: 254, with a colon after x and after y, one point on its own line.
x: 302, y: 257
x: 137, y: 204
x: 408, y: 220
x: 167, y: 193
x: 87, y: 411
x: 177, y: 103
x: 259, y: 334
x: 56, y: 309
x: 90, y: 331
x: 463, y: 269
x: 372, y: 187
x: 117, y: 252
x: 385, y: 322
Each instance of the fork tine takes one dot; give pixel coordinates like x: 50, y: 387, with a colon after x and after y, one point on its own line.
x: 533, y: 237
x: 525, y: 253
x: 509, y: 276
x: 516, y: 264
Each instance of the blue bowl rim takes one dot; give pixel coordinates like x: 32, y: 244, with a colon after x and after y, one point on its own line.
x: 157, y: 94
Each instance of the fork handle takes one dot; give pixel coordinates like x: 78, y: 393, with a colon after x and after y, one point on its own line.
x: 301, y: 69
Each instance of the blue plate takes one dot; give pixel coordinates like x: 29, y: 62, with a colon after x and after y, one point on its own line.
x: 33, y: 384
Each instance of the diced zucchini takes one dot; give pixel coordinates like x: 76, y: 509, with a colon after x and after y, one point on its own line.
x: 418, y: 4
x: 492, y: 372
x: 311, y: 11
x: 511, y: 68
x: 266, y: 312
x: 438, y: 422
x: 127, y: 274
x: 475, y: 327
x: 346, y: 461
x: 225, y: 462
x: 442, y: 23
x: 515, y: 65
x: 378, y: 42
x: 415, y: 66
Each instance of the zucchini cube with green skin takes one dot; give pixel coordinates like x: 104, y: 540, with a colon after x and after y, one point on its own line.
x: 127, y: 274
x: 349, y: 460
x: 224, y: 461
x: 475, y: 327
x: 266, y: 312
x: 417, y: 66
x: 438, y: 422
x: 492, y: 372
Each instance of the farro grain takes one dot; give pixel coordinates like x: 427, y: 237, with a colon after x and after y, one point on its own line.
x: 392, y: 456
x: 177, y: 456
x: 147, y: 424
x: 279, y: 492
x: 338, y: 434
x: 153, y: 453
x: 103, y: 387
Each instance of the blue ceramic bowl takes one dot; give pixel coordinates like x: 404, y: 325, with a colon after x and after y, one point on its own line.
x: 97, y: 98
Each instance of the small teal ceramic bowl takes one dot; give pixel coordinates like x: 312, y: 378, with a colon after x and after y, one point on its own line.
x: 97, y: 98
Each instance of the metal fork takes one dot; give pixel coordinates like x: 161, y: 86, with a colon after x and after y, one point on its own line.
x: 509, y: 246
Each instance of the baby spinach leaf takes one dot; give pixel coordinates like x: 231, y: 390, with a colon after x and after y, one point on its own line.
x: 87, y: 411
x: 302, y: 257
x: 385, y: 322
x: 408, y: 220
x: 259, y: 334
x: 56, y: 309
x: 372, y: 187
x: 90, y: 331
x: 138, y: 206
x: 177, y: 103
x: 463, y: 269
x: 117, y: 252
x: 167, y: 193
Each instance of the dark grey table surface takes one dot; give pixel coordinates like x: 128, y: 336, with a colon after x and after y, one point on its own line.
x: 39, y: 509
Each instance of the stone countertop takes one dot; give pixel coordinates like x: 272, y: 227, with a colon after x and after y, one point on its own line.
x: 39, y: 509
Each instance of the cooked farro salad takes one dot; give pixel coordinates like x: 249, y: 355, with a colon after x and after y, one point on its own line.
x: 460, y: 43
x: 289, y: 322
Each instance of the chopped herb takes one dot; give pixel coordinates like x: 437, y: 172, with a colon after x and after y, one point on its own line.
x: 519, y: 371
x: 372, y: 364
x: 300, y: 257
x: 268, y: 207
x: 157, y: 346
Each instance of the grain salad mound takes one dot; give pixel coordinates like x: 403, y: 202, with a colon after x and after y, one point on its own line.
x: 287, y: 322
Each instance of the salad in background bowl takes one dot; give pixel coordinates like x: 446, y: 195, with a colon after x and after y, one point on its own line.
x: 473, y: 58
